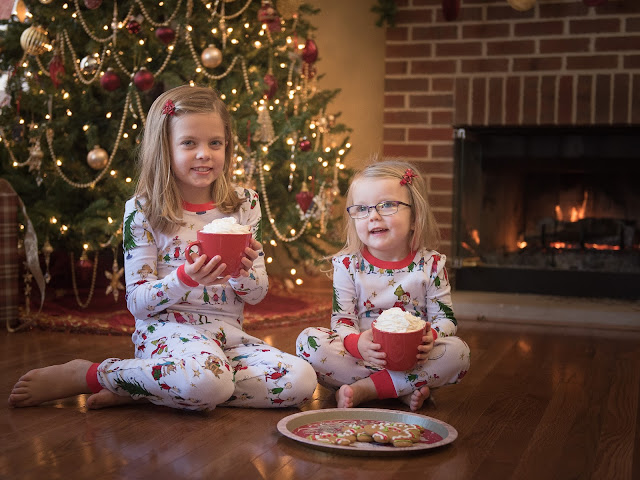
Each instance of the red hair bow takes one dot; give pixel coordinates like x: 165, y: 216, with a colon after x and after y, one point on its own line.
x: 407, y: 177
x: 169, y: 108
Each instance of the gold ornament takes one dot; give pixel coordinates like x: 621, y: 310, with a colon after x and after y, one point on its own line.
x: 46, y: 2
x: 97, y: 158
x: 211, y: 57
x: 35, y: 156
x: 114, y: 276
x: 34, y: 40
x: 522, y: 5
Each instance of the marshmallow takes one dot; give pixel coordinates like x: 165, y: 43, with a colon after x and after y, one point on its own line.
x: 226, y: 225
x: 397, y: 320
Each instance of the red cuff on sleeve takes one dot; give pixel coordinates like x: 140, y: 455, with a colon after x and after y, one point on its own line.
x: 92, y: 378
x: 435, y: 334
x: 351, y: 344
x: 384, y: 385
x: 186, y: 279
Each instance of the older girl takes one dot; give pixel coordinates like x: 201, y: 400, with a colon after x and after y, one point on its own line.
x: 190, y: 350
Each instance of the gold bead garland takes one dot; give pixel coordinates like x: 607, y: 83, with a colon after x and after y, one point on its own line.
x: 91, y: 287
x: 148, y: 18
x: 91, y: 184
x: 270, y: 217
x: 86, y: 28
x: 75, y: 62
x: 198, y: 62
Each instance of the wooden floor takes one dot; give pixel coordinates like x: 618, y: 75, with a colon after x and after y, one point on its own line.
x: 536, y: 404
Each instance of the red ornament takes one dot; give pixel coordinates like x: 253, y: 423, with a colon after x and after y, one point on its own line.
x: 304, y: 198
x: 133, y: 26
x: 310, y: 51
x: 165, y: 34
x: 305, y: 144
x: 110, y: 81
x: 450, y: 9
x: 274, y: 25
x: 143, y: 79
x: 267, y: 13
x: 92, y: 4
x: 272, y: 84
x: 269, y: 16
x: 56, y: 70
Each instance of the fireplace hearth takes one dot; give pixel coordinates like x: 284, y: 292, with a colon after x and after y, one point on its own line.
x: 548, y: 210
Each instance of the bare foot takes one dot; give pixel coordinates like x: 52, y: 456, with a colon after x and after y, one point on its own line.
x: 50, y: 383
x: 350, y: 396
x: 344, y: 397
x: 416, y: 399
x: 104, y: 398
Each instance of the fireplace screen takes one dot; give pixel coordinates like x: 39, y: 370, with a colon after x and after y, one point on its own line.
x: 552, y: 211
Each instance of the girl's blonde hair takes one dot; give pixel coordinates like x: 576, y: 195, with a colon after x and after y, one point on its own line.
x: 156, y: 183
x: 426, y: 233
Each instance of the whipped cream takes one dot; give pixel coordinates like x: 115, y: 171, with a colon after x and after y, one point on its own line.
x: 226, y: 225
x: 397, y: 320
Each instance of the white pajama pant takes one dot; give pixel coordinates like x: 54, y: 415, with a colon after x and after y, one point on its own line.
x: 448, y: 362
x: 197, y: 367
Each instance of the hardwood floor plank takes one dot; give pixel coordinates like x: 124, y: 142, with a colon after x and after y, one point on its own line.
x: 614, y: 455
x: 535, y: 404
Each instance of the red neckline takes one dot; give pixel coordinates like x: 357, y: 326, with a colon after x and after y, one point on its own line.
x: 198, y: 207
x: 405, y: 262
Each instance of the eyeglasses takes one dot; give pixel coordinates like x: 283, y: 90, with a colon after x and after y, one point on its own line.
x: 387, y: 207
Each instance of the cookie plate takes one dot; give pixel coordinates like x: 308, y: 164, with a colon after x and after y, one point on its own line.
x: 299, y: 425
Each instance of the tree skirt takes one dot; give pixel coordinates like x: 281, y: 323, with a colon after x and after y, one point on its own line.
x: 106, y: 316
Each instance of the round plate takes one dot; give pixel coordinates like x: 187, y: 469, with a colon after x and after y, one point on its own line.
x: 299, y: 425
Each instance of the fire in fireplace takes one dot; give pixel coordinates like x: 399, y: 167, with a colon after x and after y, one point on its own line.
x: 548, y: 210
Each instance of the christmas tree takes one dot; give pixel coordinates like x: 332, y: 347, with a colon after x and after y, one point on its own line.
x: 81, y: 74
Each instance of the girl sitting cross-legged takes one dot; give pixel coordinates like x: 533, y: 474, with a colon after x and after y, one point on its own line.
x: 389, y: 260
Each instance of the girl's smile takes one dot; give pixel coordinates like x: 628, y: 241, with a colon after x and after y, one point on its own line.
x: 197, y: 154
x: 387, y: 237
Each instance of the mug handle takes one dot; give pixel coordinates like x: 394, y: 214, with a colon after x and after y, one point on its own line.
x: 187, y: 252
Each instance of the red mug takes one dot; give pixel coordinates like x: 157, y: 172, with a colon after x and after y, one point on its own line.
x: 401, y: 347
x: 230, y: 247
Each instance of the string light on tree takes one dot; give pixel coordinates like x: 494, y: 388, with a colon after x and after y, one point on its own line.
x: 93, y: 67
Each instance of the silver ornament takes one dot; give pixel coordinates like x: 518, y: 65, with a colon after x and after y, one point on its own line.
x: 89, y: 64
x: 211, y: 57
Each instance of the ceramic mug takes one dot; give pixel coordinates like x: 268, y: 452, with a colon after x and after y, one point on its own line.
x: 230, y: 247
x: 401, y: 347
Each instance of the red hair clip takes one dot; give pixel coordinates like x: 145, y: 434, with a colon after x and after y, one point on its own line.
x: 407, y: 177
x: 169, y: 108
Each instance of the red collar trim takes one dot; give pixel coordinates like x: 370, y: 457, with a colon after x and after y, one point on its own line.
x: 198, y: 207
x: 405, y: 262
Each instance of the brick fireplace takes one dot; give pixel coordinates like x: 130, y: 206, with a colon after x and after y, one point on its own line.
x: 560, y: 65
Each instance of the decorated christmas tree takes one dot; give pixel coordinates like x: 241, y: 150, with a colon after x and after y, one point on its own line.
x: 81, y: 74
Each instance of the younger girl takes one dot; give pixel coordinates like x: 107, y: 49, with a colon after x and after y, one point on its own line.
x: 190, y: 350
x: 388, y: 261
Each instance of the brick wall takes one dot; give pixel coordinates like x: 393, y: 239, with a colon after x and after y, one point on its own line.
x: 560, y: 63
